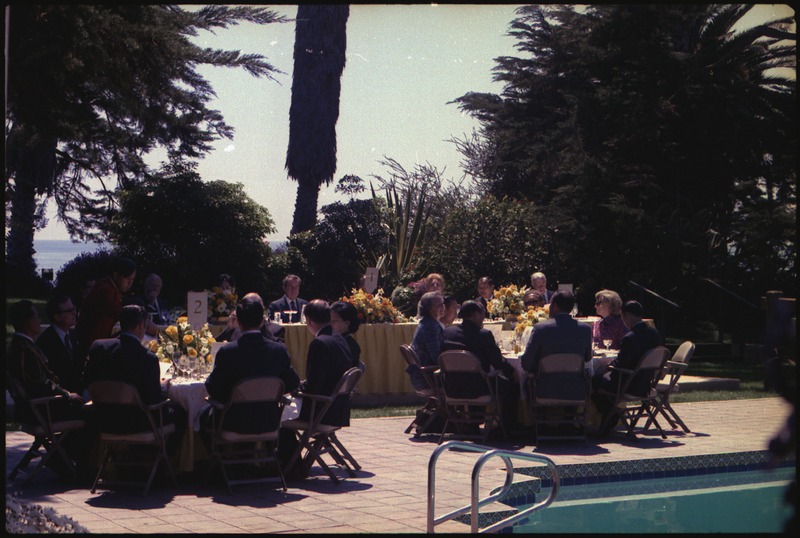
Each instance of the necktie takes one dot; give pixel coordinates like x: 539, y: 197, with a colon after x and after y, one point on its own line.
x: 293, y: 308
x: 68, y: 344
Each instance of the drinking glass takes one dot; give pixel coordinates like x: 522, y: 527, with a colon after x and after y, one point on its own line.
x: 607, y: 343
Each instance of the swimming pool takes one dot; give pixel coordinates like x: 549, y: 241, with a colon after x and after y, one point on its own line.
x: 731, y: 502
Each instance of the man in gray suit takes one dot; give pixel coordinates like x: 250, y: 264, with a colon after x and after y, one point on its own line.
x: 560, y: 334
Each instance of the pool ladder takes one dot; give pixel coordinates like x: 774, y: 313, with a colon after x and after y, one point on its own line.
x: 475, y: 503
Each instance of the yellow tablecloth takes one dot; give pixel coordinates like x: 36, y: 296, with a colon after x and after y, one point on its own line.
x: 380, y: 352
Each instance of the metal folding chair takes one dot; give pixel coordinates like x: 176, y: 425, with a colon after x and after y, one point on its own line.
x: 457, y: 369
x: 433, y: 407
x: 559, y: 396
x: 117, y: 446
x: 633, y: 406
x: 48, y: 435
x: 233, y: 448
x: 317, y: 439
x: 668, y: 385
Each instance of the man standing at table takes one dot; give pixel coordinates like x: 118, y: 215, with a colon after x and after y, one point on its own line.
x: 470, y: 335
x: 560, y: 334
x: 290, y: 302
x: 250, y: 355
x: 641, y: 338
x: 100, y: 310
x: 125, y: 359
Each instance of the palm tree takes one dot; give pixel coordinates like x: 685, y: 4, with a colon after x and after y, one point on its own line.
x: 319, y: 58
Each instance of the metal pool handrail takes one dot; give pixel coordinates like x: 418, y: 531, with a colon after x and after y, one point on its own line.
x: 475, y: 503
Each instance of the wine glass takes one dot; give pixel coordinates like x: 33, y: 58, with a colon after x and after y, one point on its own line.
x: 607, y: 343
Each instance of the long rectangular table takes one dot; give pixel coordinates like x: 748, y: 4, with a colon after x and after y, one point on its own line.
x: 380, y: 352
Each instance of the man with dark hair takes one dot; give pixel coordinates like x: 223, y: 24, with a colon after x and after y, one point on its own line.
x: 559, y: 334
x: 327, y: 360
x: 125, y: 359
x: 635, y: 343
x: 290, y: 302
x: 470, y: 335
x: 485, y: 292
x: 57, y: 342
x: 251, y: 355
x: 100, y: 310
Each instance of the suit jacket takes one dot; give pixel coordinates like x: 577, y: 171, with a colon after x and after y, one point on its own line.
x: 641, y: 338
x: 560, y: 334
x: 124, y: 359
x: 252, y: 355
x: 99, y: 313
x: 485, y: 304
x: 328, y: 359
x: 355, y: 350
x: 479, y: 341
x: 26, y: 363
x: 282, y: 305
x: 155, y: 311
x: 66, y: 364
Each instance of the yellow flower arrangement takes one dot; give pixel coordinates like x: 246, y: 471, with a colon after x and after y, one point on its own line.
x: 373, y: 308
x: 221, y: 302
x: 507, y: 303
x: 532, y: 316
x: 181, y: 340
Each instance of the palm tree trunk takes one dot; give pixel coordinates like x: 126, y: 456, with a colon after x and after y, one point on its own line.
x: 305, y: 207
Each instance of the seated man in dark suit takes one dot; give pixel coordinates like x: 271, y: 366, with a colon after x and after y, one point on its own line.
x: 290, y: 302
x: 58, y: 343
x: 559, y: 334
x: 251, y: 355
x: 28, y: 366
x: 640, y: 339
x: 327, y: 360
x: 125, y: 359
x: 269, y: 329
x: 470, y: 335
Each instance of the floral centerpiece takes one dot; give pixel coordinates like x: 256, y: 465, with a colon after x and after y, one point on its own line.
x: 373, y: 308
x: 507, y: 303
x: 187, y: 349
x: 531, y: 316
x: 221, y: 302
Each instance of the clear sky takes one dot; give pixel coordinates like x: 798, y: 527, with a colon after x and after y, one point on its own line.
x: 404, y: 64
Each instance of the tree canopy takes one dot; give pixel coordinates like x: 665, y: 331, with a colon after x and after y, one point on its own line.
x: 189, y: 231
x: 92, y: 89
x: 654, y: 137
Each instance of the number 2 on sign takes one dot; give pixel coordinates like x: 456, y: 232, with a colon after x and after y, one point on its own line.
x: 198, y: 312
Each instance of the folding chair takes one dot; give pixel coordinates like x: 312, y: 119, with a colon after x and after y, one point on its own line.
x: 231, y: 448
x: 318, y: 439
x: 433, y: 408
x: 119, y: 395
x: 668, y: 385
x: 633, y: 406
x: 559, y: 396
x: 459, y: 369
x: 48, y: 436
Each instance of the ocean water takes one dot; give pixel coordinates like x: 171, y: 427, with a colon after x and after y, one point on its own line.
x: 55, y: 253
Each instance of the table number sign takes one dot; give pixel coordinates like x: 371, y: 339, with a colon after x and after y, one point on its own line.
x: 197, y: 308
x: 371, y: 279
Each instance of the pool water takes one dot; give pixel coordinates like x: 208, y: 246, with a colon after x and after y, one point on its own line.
x: 749, y: 502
